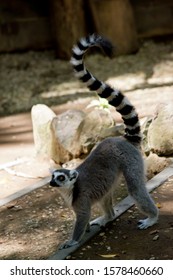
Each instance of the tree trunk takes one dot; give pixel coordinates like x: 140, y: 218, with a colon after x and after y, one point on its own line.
x: 114, y: 19
x: 68, y: 24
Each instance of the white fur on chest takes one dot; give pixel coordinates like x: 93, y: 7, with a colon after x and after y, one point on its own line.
x: 67, y: 194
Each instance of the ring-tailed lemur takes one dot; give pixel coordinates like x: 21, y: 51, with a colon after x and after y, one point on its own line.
x: 94, y: 179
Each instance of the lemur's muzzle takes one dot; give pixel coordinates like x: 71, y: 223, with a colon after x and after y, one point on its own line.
x: 53, y: 183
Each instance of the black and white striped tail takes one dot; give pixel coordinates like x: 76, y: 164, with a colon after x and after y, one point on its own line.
x: 114, y: 96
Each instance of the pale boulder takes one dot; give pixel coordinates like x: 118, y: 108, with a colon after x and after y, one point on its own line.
x: 155, y: 164
x: 145, y: 123
x: 64, y: 129
x: 71, y: 134
x: 96, y: 126
x: 42, y: 116
x: 75, y: 133
x: 160, y: 131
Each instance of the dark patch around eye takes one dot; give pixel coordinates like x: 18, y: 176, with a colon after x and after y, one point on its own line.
x: 61, y: 178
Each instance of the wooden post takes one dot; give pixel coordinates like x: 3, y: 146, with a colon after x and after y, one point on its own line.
x: 114, y: 19
x: 68, y: 24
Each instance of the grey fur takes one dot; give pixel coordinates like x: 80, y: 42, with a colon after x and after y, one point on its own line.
x: 98, y: 175
x: 94, y: 180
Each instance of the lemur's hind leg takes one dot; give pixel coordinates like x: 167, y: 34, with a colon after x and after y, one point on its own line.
x: 147, y: 206
x: 107, y: 207
x: 137, y: 189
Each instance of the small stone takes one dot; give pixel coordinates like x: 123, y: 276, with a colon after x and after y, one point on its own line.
x: 108, y: 248
x: 44, y: 216
x: 154, y: 231
x: 124, y: 252
x: 124, y: 236
x: 156, y: 237
x: 23, y: 230
x: 39, y: 195
x: 68, y: 257
x: 10, y: 217
x: 17, y: 208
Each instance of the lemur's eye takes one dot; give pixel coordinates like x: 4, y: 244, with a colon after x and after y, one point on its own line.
x: 61, y: 178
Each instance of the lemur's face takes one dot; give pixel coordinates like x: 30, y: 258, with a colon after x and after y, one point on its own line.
x: 63, y: 178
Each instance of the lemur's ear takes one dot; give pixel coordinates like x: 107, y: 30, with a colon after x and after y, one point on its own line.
x: 73, y: 174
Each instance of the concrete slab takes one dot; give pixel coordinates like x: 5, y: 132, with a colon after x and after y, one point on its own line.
x: 24, y: 191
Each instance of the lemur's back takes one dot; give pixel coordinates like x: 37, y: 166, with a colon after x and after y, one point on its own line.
x: 102, y: 167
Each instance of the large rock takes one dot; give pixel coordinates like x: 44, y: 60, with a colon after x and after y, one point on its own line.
x: 160, y: 131
x: 71, y: 134
x: 155, y: 164
x: 91, y: 129
x: 64, y: 128
x: 75, y: 133
x: 41, y: 120
x: 145, y: 123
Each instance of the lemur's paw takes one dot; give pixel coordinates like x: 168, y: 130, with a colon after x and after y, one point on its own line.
x: 68, y: 244
x: 143, y: 224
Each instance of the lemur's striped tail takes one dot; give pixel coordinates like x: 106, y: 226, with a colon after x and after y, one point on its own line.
x: 114, y: 96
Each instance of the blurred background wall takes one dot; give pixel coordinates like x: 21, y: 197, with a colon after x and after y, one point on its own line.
x: 57, y: 24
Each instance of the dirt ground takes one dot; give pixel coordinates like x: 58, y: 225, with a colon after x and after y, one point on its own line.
x: 122, y: 240
x: 32, y: 226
